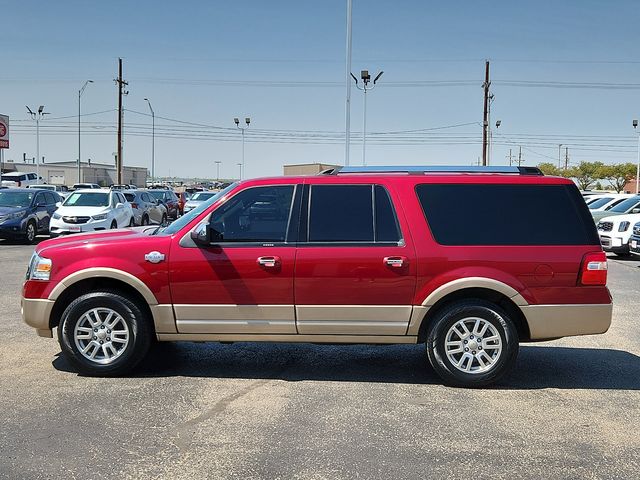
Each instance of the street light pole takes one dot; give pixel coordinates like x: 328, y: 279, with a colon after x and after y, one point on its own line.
x: 218, y: 162
x: 366, y: 79
x: 347, y: 110
x: 153, y: 142
x: 37, y: 116
x: 242, y: 129
x: 635, y: 125
x: 240, y: 165
x: 80, y: 92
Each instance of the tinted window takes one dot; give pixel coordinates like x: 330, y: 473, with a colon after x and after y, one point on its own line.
x: 98, y: 199
x: 626, y: 205
x: 341, y: 213
x: 386, y: 223
x: 599, y: 202
x: 259, y: 214
x: 51, y: 199
x: 130, y: 197
x: 10, y: 198
x: 507, y: 215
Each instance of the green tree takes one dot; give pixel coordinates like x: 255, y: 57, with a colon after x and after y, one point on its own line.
x: 549, y: 168
x: 586, y: 174
x: 618, y: 175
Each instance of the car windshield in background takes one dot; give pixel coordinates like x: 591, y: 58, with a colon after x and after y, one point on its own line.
x: 628, y: 204
x: 15, y: 199
x: 202, y: 196
x: 130, y: 197
x: 157, y: 194
x: 98, y: 199
x: 599, y: 203
x: 186, y: 218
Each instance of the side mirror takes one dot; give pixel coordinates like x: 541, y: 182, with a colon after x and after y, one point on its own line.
x: 635, y: 210
x: 58, y: 204
x: 119, y: 205
x: 201, y: 235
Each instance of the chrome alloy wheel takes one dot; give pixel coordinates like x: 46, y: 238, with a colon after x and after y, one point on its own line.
x: 101, y: 335
x: 473, y: 345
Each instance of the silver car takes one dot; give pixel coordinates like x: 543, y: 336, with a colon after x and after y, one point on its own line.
x: 145, y: 208
x: 197, y: 199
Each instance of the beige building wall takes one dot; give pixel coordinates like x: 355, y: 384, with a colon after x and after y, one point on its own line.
x: 306, y: 168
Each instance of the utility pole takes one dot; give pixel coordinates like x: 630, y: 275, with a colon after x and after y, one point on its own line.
x: 560, y: 155
x: 121, y: 84
x: 510, y: 157
x: 485, y: 118
x: 218, y: 162
x: 566, y: 158
x: 519, y: 156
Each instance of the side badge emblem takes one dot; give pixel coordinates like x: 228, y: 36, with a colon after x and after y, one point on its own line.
x: 154, y: 257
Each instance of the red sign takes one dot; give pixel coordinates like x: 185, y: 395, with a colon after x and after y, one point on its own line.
x: 4, y: 131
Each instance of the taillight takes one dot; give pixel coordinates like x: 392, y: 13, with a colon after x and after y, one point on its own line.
x: 594, y: 269
x: 134, y: 205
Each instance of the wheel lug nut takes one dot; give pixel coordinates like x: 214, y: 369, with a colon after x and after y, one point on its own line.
x: 108, y: 331
x: 95, y: 338
x: 479, y: 348
x: 101, y: 342
x: 108, y: 339
x: 474, y: 352
x: 466, y: 349
x: 465, y: 342
x: 102, y: 327
x: 471, y: 337
x: 95, y: 329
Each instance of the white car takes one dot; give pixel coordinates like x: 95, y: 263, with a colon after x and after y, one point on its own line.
x: 91, y: 210
x: 616, y: 231
x: 601, y: 203
x: 197, y: 199
x: 19, y: 179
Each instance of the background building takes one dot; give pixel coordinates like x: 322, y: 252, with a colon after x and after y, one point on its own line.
x: 307, y: 168
x: 66, y: 173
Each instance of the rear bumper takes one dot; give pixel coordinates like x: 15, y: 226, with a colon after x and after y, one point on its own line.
x: 36, y: 313
x: 555, y: 321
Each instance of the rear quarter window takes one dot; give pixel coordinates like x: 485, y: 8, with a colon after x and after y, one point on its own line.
x: 490, y: 214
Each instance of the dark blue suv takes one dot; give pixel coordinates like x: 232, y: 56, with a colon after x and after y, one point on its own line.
x: 26, y: 212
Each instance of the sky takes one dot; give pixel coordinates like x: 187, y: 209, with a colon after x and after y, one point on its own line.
x: 282, y: 63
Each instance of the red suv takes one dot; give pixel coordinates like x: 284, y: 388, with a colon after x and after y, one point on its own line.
x: 470, y: 261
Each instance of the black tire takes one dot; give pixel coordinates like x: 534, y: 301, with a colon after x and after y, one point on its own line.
x: 145, y: 220
x: 446, y: 318
x: 30, y: 233
x: 114, y: 225
x: 164, y: 222
x: 132, y: 222
x: 139, y: 327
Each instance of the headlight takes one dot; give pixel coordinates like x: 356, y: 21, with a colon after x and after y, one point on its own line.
x: 11, y: 216
x: 39, y: 268
x: 624, y: 226
x: 101, y: 216
x: 57, y: 216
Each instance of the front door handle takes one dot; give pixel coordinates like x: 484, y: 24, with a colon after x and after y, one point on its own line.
x: 395, y: 262
x: 269, y: 262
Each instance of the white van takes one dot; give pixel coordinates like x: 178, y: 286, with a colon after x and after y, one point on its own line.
x: 20, y: 179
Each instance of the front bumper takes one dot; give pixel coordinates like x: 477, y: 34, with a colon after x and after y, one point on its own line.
x: 13, y: 228
x: 554, y: 321
x: 634, y: 245
x: 60, y: 227
x: 615, y: 244
x: 36, y: 313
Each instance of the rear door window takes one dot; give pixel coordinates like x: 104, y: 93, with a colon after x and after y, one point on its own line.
x: 474, y: 214
x: 351, y: 214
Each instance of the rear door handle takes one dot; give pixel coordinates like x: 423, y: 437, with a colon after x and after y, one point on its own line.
x: 269, y: 262
x: 395, y: 262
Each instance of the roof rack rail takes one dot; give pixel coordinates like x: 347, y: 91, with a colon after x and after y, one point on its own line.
x: 434, y: 169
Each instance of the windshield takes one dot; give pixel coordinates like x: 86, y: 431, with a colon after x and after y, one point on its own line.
x: 628, y: 204
x: 157, y: 194
x: 187, y: 217
x: 600, y: 202
x: 202, y: 196
x: 98, y: 199
x: 15, y: 199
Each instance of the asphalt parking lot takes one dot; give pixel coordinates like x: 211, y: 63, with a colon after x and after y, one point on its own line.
x: 570, y: 409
